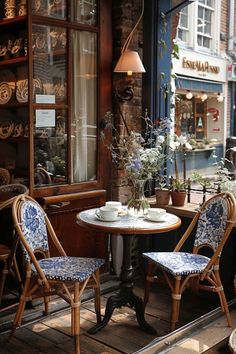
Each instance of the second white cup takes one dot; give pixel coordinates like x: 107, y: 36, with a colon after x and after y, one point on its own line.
x: 108, y: 213
x: 114, y: 204
x: 157, y: 214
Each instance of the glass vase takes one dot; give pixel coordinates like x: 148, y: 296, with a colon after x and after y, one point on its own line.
x: 138, y: 204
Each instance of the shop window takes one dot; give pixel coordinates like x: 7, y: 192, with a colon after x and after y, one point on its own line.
x: 67, y: 100
x: 200, y: 118
x: 191, y: 118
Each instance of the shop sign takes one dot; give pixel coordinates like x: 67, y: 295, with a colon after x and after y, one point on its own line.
x: 231, y: 69
x: 200, y: 66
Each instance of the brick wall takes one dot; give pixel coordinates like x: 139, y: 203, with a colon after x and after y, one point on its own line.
x: 224, y: 25
x: 125, y: 15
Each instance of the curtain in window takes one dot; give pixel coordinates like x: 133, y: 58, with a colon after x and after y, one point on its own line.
x: 84, y: 106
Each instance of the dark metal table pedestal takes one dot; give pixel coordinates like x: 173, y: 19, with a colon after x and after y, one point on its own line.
x: 125, y: 296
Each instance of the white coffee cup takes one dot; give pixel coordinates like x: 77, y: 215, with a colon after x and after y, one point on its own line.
x: 114, y: 204
x: 107, y: 213
x: 157, y: 214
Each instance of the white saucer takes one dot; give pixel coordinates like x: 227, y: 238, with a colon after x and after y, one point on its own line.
x: 101, y: 219
x: 147, y: 217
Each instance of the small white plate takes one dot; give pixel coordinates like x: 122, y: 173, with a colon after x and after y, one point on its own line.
x: 147, y: 217
x: 101, y: 219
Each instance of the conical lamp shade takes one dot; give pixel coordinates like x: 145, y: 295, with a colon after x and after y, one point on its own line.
x: 129, y: 62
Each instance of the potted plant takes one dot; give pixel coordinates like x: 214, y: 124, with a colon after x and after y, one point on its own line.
x: 206, y: 143
x: 193, y: 143
x: 178, y: 191
x: 162, y: 191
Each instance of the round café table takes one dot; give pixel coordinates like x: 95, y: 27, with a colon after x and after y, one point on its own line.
x: 128, y: 227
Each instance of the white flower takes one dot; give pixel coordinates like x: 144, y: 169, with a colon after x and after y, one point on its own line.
x: 188, y: 146
x: 160, y: 139
x: 182, y: 139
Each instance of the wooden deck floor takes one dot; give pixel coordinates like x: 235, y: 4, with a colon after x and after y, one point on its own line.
x: 51, y: 334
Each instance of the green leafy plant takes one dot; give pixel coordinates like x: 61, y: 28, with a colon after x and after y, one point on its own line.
x: 178, y: 185
x: 193, y: 143
x: 206, y: 141
x: 59, y: 165
x: 199, y: 178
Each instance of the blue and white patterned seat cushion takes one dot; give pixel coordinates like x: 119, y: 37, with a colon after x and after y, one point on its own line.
x: 69, y: 268
x: 179, y: 263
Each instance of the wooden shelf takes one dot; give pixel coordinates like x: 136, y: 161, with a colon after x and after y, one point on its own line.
x: 12, y: 21
x: 14, y: 105
x: 14, y: 61
x: 15, y: 140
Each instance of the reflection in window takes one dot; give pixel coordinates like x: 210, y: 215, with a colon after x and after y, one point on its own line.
x: 50, y: 8
x: 84, y: 106
x: 50, y: 141
x: 49, y: 66
x: 85, y: 11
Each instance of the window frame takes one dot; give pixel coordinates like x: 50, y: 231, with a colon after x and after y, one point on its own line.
x: 103, y: 28
x: 183, y: 28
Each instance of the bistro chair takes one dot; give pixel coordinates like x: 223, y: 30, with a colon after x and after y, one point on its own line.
x: 64, y: 276
x: 214, y: 222
x: 7, y: 251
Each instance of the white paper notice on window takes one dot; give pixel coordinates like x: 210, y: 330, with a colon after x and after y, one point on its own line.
x: 45, y: 99
x: 45, y: 118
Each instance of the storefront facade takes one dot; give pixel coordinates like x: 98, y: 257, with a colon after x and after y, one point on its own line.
x: 201, y: 92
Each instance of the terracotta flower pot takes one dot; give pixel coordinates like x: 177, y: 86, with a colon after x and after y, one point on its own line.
x: 178, y: 198
x: 162, y: 196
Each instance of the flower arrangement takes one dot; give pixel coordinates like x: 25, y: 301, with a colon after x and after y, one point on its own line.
x: 141, y: 155
x: 144, y: 155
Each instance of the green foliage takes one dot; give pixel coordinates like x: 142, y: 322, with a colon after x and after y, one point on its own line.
x: 175, y: 51
x: 178, y: 184
x: 59, y: 165
x: 206, y: 141
x: 198, y: 178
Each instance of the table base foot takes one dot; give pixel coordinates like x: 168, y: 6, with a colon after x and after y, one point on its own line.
x: 125, y: 297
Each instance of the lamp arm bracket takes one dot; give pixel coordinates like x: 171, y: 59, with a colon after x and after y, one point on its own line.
x: 129, y: 38
x: 125, y: 94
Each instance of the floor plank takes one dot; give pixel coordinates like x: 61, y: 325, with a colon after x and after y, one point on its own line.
x: 51, y: 334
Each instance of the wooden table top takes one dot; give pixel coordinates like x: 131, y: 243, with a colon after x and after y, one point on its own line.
x: 127, y: 224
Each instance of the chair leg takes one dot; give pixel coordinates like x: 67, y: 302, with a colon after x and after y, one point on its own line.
x: 3, y: 279
x: 150, y: 272
x: 17, y: 273
x: 176, y: 298
x: 21, y: 306
x: 75, y: 316
x: 97, y: 300
x: 222, y: 297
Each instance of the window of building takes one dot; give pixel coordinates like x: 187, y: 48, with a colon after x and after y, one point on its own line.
x: 182, y: 31
x: 205, y: 23
x: 68, y: 59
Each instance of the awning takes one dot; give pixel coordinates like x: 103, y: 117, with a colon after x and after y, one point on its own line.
x: 198, y: 85
x: 178, y: 5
